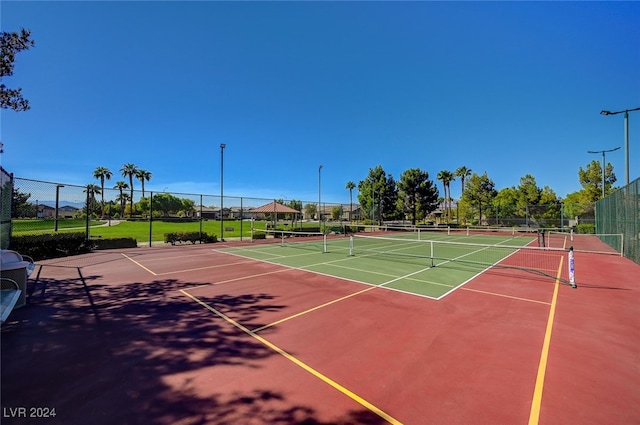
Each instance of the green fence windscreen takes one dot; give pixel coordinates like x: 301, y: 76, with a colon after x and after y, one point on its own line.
x: 619, y: 213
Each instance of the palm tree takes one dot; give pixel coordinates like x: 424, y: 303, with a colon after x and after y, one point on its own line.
x: 463, y: 172
x: 143, y: 175
x: 446, y: 177
x: 121, y: 186
x: 92, y: 190
x: 102, y: 174
x: 129, y: 170
x: 350, y: 185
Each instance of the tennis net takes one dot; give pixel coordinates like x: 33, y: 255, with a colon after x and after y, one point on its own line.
x: 434, y: 253
x: 612, y: 244
x: 293, y: 238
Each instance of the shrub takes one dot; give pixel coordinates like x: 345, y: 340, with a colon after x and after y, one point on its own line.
x: 192, y: 237
x: 54, y: 245
x: 586, y: 228
x: 113, y: 243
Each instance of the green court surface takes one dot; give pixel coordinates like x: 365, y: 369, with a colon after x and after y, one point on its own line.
x: 432, y: 266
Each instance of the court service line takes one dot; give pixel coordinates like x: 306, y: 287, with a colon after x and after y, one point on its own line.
x: 314, y: 308
x: 506, y: 296
x: 534, y: 415
x: 184, y: 270
x: 204, y: 268
x: 382, y: 285
x: 299, y: 363
x: 135, y: 262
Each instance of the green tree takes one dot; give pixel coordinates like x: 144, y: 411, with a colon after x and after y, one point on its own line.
x: 505, y: 204
x: 143, y: 175
x: 123, y: 198
x: 417, y: 193
x: 129, y: 170
x: 188, y: 206
x: 102, y: 174
x: 446, y: 177
x: 591, y: 180
x: 166, y: 203
x: 462, y: 172
x: 390, y: 205
x: 577, y: 205
x: 20, y: 207
x: 376, y: 192
x: 310, y: 210
x: 336, y: 212
x: 92, y: 190
x: 12, y: 43
x: 480, y: 191
x: 528, y: 193
x: 547, y: 213
x: 350, y: 186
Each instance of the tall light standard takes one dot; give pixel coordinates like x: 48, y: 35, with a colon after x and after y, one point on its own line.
x: 603, y: 164
x: 626, y: 138
x: 319, y: 197
x: 222, y: 146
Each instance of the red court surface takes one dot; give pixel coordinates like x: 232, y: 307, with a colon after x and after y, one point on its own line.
x: 189, y: 335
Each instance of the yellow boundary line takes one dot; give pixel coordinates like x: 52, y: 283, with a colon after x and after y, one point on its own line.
x: 534, y: 415
x: 137, y: 263
x: 314, y: 308
x: 299, y: 363
x: 506, y: 296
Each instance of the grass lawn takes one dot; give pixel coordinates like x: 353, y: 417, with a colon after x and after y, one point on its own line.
x: 29, y: 227
x: 139, y: 230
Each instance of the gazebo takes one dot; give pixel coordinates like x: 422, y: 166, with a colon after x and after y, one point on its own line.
x: 274, y: 208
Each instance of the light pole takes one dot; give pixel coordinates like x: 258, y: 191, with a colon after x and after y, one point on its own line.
x: 603, y: 164
x: 319, y: 197
x: 55, y: 225
x: 626, y: 138
x: 222, y: 146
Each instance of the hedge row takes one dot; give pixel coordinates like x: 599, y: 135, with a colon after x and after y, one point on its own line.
x: 40, y: 247
x: 192, y: 237
x: 114, y: 243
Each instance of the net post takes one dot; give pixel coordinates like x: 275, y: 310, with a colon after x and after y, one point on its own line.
x: 324, y: 244
x: 448, y: 230
x: 282, y: 239
x: 572, y: 274
x: 571, y: 232
x: 350, y: 246
x: 467, y: 230
x: 431, y: 253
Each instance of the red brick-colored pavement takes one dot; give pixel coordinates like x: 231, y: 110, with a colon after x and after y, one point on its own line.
x: 270, y: 345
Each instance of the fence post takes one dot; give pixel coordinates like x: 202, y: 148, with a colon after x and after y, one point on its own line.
x: 150, y: 219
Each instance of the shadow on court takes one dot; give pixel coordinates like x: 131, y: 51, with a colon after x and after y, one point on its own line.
x: 110, y: 358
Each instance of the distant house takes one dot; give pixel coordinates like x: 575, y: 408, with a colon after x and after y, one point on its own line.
x: 67, y: 211
x: 45, y: 211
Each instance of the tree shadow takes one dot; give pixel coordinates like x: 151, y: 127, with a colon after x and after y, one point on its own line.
x: 107, y: 358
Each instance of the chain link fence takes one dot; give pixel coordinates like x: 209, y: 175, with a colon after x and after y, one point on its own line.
x: 6, y: 194
x: 619, y: 213
x: 48, y: 207
x: 41, y: 207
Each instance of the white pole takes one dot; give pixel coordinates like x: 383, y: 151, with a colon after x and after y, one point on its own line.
x: 572, y: 270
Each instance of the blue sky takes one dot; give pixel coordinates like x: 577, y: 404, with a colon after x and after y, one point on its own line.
x: 507, y: 88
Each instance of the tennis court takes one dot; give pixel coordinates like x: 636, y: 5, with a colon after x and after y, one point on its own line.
x: 334, y: 331
x: 424, y: 263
